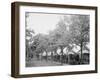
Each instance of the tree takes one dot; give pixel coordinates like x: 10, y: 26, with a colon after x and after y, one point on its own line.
x: 29, y: 33
x: 72, y: 29
x: 40, y: 43
x: 80, y: 31
x: 61, y: 36
x: 29, y: 39
x: 52, y: 44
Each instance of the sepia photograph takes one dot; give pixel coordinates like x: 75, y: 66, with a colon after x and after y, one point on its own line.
x: 57, y: 39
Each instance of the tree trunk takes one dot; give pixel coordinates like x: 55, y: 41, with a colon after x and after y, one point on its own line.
x: 46, y: 56
x: 51, y: 55
x: 67, y: 58
x: 62, y: 55
x: 55, y: 57
x: 41, y: 56
x: 81, y: 46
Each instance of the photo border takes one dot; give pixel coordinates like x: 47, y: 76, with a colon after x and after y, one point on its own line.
x: 15, y: 32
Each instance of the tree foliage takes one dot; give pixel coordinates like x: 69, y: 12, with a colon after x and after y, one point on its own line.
x: 72, y: 29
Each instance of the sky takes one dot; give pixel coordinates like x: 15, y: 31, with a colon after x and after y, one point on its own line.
x: 42, y: 23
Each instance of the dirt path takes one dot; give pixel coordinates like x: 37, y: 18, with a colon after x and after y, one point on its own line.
x: 37, y: 63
